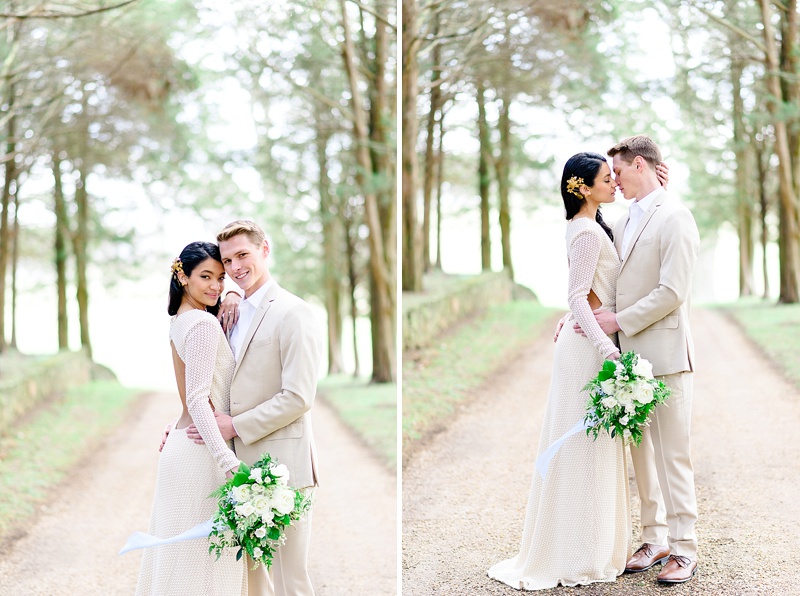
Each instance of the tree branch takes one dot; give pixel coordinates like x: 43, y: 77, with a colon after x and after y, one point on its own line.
x: 375, y: 14
x: 42, y: 13
x: 738, y: 30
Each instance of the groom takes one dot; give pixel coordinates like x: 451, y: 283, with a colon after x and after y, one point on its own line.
x: 658, y: 243
x: 277, y: 348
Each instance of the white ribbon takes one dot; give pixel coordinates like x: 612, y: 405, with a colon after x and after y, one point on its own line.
x: 141, y: 540
x: 543, y: 461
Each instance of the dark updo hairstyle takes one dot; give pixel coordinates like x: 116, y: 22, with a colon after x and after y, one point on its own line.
x: 582, y: 165
x: 191, y: 256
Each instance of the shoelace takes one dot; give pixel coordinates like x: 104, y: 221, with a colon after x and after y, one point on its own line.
x: 680, y: 560
x: 646, y: 548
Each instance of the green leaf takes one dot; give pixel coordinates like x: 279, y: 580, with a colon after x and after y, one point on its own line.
x: 239, y: 554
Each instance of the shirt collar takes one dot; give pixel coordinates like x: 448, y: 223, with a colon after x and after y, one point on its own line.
x: 644, y: 204
x: 258, y: 296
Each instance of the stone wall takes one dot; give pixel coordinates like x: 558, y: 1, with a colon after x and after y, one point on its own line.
x: 42, y: 379
x: 430, y: 316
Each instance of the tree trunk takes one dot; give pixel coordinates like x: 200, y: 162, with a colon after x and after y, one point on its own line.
x: 412, y: 254
x: 439, y: 181
x: 483, y: 180
x: 430, y: 158
x: 332, y: 247
x: 788, y: 209
x: 62, y: 233
x: 384, y: 168
x: 352, y: 277
x: 9, y: 189
x: 743, y: 202
x: 503, y: 166
x: 790, y: 86
x: 80, y: 242
x: 762, y: 194
x: 14, y: 263
x: 383, y: 300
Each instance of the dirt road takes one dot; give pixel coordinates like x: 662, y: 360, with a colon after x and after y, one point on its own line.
x: 71, y: 548
x: 464, y: 494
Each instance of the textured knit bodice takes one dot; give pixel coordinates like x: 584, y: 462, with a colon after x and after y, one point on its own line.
x: 200, y: 343
x: 593, y: 265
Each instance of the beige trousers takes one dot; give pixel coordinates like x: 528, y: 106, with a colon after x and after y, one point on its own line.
x: 664, y: 472
x: 289, y: 573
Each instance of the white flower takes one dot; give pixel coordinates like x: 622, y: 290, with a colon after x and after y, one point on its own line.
x: 624, y: 420
x: 625, y: 396
x: 609, y: 386
x: 283, y: 501
x: 626, y: 434
x: 643, y: 368
x: 257, y: 475
x: 643, y: 392
x: 241, y: 493
x: 620, y: 371
x: 267, y: 517
x: 609, y: 402
x: 261, y: 504
x: 257, y: 552
x: 261, y: 532
x: 630, y: 409
x: 281, y: 472
x: 245, y: 509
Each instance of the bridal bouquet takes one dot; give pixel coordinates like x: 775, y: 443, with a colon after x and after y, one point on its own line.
x: 255, y: 508
x: 622, y: 396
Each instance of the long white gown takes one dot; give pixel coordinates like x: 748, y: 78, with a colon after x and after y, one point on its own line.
x: 188, y: 473
x: 577, y: 523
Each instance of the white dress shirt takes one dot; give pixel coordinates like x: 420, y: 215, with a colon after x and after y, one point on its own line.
x: 247, y: 310
x: 635, y: 214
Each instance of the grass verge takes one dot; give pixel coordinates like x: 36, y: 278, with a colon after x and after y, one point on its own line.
x: 36, y: 455
x: 438, y: 378
x: 369, y: 409
x: 775, y: 328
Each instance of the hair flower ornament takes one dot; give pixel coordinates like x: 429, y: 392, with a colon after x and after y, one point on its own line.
x: 573, y: 184
x: 177, y: 266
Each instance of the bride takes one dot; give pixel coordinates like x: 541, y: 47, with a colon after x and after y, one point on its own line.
x: 187, y: 472
x: 577, y: 523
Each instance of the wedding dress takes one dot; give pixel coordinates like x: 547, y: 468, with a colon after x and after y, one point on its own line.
x: 188, y: 473
x: 577, y: 523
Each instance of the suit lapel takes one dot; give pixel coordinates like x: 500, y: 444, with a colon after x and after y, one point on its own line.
x: 265, y: 305
x: 642, y: 225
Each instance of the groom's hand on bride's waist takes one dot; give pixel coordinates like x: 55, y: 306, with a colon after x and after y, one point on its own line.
x: 225, y: 424
x: 605, y: 318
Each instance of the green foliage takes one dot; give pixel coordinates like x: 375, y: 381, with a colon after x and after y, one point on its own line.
x: 621, y: 398
x: 437, y: 379
x: 369, y: 409
x: 252, y: 511
x: 63, y: 433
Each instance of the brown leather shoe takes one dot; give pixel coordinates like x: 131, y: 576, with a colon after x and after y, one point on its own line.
x: 677, y: 570
x: 645, y: 557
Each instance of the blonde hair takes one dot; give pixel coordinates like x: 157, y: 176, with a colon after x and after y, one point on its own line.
x: 641, y: 145
x: 242, y: 226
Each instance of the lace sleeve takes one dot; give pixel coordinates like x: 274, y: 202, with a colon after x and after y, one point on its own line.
x: 584, y: 252
x: 200, y: 356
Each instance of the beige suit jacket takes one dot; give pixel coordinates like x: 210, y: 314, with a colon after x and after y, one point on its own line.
x: 654, y: 286
x: 274, y: 385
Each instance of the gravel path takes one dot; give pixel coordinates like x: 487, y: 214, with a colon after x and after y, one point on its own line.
x: 70, y: 548
x: 464, y: 494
